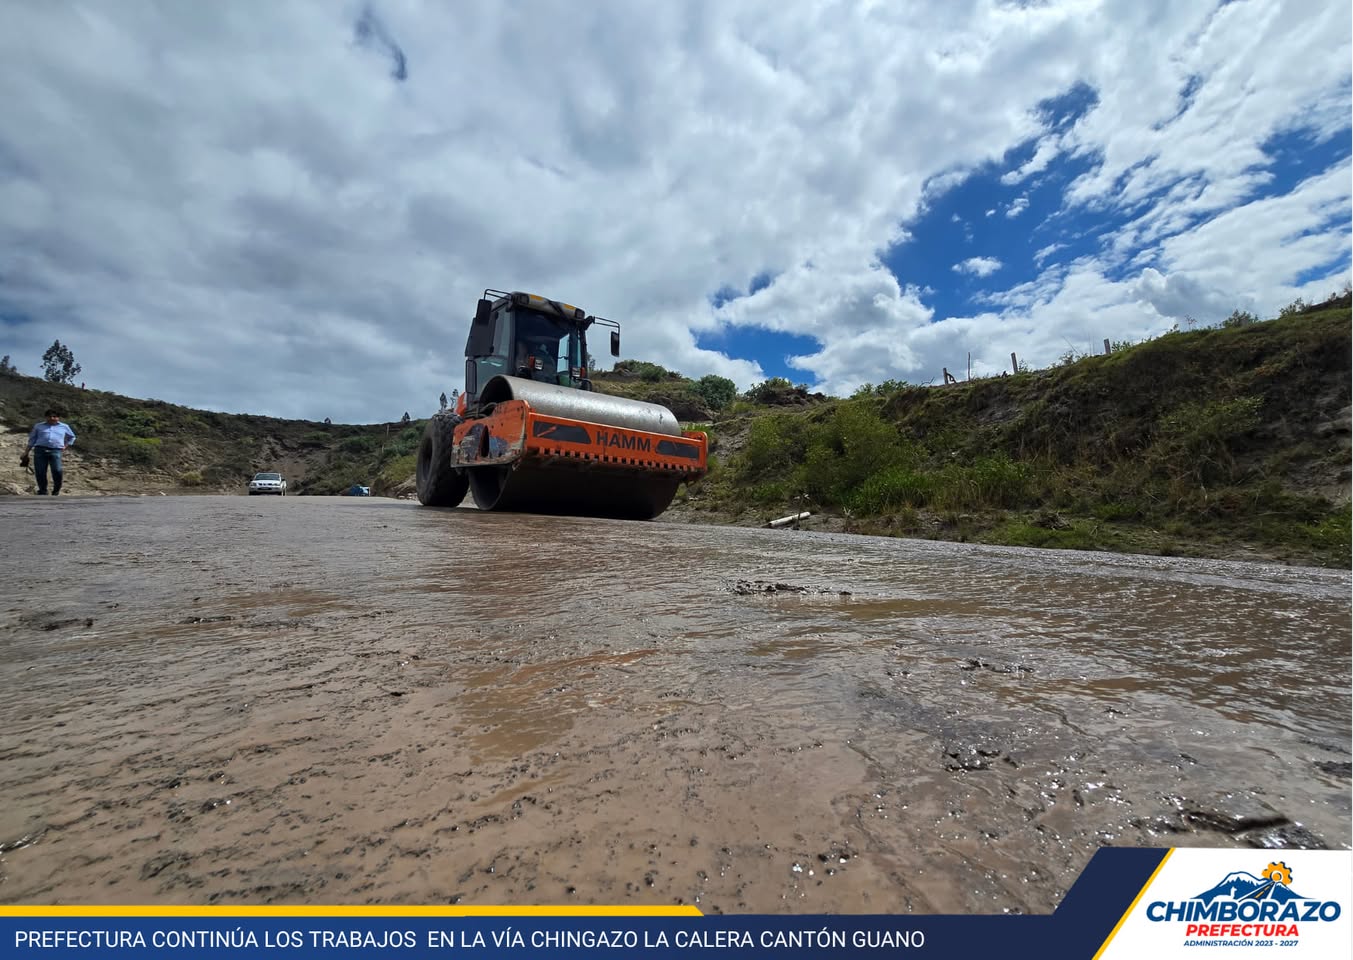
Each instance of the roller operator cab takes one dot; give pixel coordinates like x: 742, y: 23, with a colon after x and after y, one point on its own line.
x: 530, y: 433
x: 522, y: 335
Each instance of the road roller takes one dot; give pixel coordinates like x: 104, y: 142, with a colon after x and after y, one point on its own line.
x: 531, y: 434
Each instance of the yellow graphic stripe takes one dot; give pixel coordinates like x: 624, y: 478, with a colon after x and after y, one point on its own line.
x: 1133, y: 905
x: 175, y: 910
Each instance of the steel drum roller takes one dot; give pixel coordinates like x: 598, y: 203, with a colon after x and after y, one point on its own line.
x: 585, y: 405
x: 572, y: 488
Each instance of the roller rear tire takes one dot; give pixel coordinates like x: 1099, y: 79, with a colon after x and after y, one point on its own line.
x: 439, y: 483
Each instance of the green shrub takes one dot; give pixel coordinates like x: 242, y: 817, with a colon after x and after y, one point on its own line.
x: 1239, y: 318
x: 891, y: 489
x: 1292, y: 309
x: 1193, y: 442
x: 773, y: 443
x: 358, y: 445
x: 847, y: 448
x: 644, y: 370
x: 998, y: 482
x: 138, y: 423
x: 1334, y: 532
x: 770, y: 391
x: 396, y: 471
x: 142, y: 451
x: 1115, y: 511
x: 717, y: 392
x: 404, y: 442
x: 193, y: 478
x: 771, y: 493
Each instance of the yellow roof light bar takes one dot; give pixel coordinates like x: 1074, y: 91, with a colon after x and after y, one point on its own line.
x: 546, y: 304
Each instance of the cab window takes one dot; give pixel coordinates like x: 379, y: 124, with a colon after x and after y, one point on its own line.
x: 539, y: 347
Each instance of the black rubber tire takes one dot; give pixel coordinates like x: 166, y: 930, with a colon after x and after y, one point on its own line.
x: 439, y: 483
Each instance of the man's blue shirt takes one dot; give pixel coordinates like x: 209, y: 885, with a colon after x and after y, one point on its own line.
x: 55, y: 435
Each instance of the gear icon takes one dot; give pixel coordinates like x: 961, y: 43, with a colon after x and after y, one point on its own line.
x: 1279, y: 873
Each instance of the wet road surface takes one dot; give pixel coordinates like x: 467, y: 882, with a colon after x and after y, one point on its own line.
x: 232, y: 700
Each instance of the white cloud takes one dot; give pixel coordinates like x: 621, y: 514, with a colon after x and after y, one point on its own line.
x: 239, y: 206
x: 1048, y: 149
x: 1017, y: 206
x: 1259, y: 68
x: 1044, y: 252
x: 1270, y: 241
x: 978, y: 266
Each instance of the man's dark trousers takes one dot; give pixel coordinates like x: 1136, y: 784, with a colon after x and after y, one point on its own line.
x: 44, y: 457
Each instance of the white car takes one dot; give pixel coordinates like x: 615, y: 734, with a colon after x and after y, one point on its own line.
x: 268, y: 483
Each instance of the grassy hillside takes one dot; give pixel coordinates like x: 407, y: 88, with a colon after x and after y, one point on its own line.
x: 1216, y: 442
x: 639, y: 380
x: 1227, y: 441
x: 698, y: 401
x: 127, y: 445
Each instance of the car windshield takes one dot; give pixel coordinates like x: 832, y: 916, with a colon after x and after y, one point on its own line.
x: 267, y: 476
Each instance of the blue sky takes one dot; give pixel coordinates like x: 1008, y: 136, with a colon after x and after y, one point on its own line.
x: 291, y: 209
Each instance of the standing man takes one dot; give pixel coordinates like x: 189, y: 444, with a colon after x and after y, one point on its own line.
x: 47, y: 439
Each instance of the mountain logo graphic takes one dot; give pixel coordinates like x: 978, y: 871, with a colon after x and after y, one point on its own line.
x: 1243, y: 905
x: 1274, y: 883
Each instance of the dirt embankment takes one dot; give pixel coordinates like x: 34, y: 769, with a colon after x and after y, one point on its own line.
x: 325, y: 700
x: 147, y: 447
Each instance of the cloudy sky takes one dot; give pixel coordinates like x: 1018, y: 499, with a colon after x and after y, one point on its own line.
x: 290, y: 208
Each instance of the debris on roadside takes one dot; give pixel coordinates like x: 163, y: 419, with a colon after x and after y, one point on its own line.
x: 745, y: 588
x: 976, y: 663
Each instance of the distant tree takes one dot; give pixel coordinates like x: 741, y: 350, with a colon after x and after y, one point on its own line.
x: 648, y: 372
x: 58, y: 364
x: 716, y: 391
x: 327, y: 420
x: 405, y: 418
x: 6, y: 366
x: 1292, y: 309
x: 1239, y: 318
x: 443, y: 400
x: 769, y: 391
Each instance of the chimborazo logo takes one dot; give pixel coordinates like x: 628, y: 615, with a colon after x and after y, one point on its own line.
x: 1242, y: 906
x: 623, y: 441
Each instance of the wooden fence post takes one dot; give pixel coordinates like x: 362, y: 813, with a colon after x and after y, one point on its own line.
x: 1014, y: 364
x: 1106, y: 346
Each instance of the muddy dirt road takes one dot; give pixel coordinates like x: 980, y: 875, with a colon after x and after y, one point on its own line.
x: 230, y: 700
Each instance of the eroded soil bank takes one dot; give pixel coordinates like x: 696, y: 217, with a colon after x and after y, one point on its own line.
x: 233, y: 700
